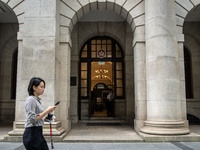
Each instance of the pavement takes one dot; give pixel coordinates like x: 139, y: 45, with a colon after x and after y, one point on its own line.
x: 95, y: 137
x: 111, y: 146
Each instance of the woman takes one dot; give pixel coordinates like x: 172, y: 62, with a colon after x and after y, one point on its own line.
x: 33, y: 138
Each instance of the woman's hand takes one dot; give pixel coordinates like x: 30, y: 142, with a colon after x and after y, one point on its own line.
x: 51, y: 108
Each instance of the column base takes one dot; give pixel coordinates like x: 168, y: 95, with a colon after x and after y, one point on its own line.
x: 165, y: 128
x: 18, y: 129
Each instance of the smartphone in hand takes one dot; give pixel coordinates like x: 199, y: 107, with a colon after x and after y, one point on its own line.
x: 57, y: 103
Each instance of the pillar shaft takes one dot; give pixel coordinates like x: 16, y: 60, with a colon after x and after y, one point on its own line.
x: 164, y: 111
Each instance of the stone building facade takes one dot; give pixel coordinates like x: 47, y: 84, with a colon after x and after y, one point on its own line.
x: 152, y: 47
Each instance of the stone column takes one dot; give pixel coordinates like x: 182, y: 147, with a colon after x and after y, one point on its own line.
x: 165, y: 114
x: 37, y: 58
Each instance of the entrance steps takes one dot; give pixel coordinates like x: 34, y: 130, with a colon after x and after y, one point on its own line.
x: 99, y: 132
x: 102, y: 120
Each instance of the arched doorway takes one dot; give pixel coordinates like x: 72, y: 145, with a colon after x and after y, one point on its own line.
x: 191, y: 51
x: 8, y: 63
x: 101, y: 71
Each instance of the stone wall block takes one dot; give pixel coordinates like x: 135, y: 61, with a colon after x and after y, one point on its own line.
x: 48, y: 8
x: 84, y: 2
x: 163, y: 89
x: 179, y: 30
x: 86, y: 8
x: 74, y: 4
x: 101, y: 5
x: 120, y: 2
x: 5, y: 1
x: 138, y: 21
x: 117, y: 8
x: 139, y: 30
x: 141, y: 109
x: 140, y: 89
x: 80, y: 13
x: 152, y: 13
x: 137, y: 11
x: 167, y: 109
x: 93, y: 5
x: 41, y: 68
x: 13, y: 3
x: 185, y: 4
x: 130, y: 4
x: 161, y: 26
x: 124, y: 13
x: 162, y: 68
x: 40, y: 27
x: 65, y: 31
x: 162, y: 49
x: 182, y: 91
x: 180, y: 11
x: 20, y: 112
x: 181, y: 70
x: 179, y: 21
x: 101, y: 26
x: 21, y: 19
x: 110, y: 4
x: 64, y: 71
x: 19, y: 9
x: 66, y: 11
x: 139, y: 52
x: 64, y: 21
x: 63, y: 94
x: 140, y: 70
x: 33, y: 8
x: 40, y: 48
x: 195, y: 2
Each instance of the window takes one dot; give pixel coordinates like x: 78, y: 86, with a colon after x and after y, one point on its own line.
x: 102, y: 49
x: 188, y: 73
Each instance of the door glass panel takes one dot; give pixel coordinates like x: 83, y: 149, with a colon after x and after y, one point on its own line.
x: 93, y: 41
x: 118, y: 51
x: 103, y: 41
x: 109, y: 42
x: 84, y: 66
x: 118, y: 66
x: 94, y: 54
x: 118, y: 74
x: 104, y: 47
x: 98, y: 47
x: 83, y: 91
x: 93, y: 48
x: 109, y: 47
x: 98, y: 41
x: 84, y: 52
x: 119, y: 92
x: 109, y: 54
x: 83, y: 83
x: 83, y: 74
x: 119, y: 83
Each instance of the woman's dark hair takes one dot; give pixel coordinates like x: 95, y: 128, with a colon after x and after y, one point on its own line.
x: 35, y: 81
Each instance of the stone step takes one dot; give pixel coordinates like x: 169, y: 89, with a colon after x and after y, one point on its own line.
x: 102, y: 120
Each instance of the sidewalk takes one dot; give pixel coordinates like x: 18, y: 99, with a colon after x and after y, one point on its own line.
x: 115, y: 137
x: 111, y: 146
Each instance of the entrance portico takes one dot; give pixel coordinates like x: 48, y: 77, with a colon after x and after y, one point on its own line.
x: 50, y: 41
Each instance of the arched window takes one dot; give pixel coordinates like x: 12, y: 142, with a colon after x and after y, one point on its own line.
x: 101, y: 86
x: 188, y: 73
x: 103, y: 51
x: 14, y: 74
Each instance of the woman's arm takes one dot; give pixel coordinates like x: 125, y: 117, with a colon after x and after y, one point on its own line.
x: 44, y: 113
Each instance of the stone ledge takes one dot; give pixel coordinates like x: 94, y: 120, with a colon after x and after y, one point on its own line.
x: 16, y: 134
x: 192, y: 137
